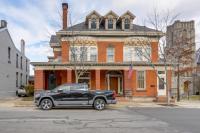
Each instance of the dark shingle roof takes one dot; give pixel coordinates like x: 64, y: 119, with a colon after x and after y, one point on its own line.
x: 83, y: 27
x: 54, y: 39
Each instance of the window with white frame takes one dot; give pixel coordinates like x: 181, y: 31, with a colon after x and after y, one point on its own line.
x: 127, y: 23
x: 93, y: 23
x: 110, y: 54
x: 110, y: 23
x: 141, y: 80
x: 83, y: 53
x: 93, y: 54
x: 136, y: 53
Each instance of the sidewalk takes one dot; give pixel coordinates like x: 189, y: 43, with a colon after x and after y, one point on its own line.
x: 122, y: 102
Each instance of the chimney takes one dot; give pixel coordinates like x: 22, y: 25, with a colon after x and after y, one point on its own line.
x: 65, y: 12
x: 3, y: 24
x: 22, y: 46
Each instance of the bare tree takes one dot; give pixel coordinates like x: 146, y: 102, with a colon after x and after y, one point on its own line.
x: 158, y: 21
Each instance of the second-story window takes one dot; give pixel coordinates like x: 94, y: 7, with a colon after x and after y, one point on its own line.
x: 93, y: 23
x: 110, y: 54
x: 138, y: 54
x: 17, y: 63
x: 110, y: 23
x: 21, y: 63
x: 73, y: 55
x: 9, y: 55
x: 127, y: 23
x: 83, y: 53
x: 93, y: 54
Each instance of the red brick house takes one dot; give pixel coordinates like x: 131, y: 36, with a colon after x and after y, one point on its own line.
x: 111, y: 42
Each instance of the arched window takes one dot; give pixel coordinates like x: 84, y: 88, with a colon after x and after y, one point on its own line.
x: 93, y: 23
x: 127, y: 23
x: 110, y: 23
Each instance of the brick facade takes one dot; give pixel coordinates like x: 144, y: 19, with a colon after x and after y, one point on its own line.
x: 103, y: 75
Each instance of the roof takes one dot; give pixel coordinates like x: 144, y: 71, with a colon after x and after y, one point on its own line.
x: 83, y: 27
x: 54, y: 39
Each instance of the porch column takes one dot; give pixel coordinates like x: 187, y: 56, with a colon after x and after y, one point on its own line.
x: 127, y: 84
x: 97, y: 79
x: 69, y: 76
x: 39, y: 80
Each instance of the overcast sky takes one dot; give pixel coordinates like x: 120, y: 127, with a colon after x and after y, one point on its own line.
x: 36, y: 20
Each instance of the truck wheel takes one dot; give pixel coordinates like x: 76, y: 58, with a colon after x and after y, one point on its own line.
x: 99, y: 104
x: 46, y: 104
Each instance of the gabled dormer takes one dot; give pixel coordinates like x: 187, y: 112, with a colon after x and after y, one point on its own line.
x: 110, y: 20
x: 92, y: 20
x: 127, y: 20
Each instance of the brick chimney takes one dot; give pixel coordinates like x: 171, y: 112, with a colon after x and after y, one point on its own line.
x: 22, y: 46
x: 65, y: 12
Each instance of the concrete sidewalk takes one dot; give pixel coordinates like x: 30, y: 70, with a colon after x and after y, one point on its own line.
x: 121, y: 103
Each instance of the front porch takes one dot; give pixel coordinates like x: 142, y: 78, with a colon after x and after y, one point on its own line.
x: 96, y: 79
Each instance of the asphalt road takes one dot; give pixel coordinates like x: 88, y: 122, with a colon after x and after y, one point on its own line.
x: 182, y: 119
x: 126, y: 120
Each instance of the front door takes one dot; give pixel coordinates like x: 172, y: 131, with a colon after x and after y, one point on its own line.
x: 51, y: 81
x: 161, y: 83
x: 114, y: 84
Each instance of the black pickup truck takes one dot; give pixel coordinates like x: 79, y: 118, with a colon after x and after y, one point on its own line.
x: 74, y: 95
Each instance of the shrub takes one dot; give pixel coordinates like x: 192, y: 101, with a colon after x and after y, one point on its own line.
x: 29, y: 90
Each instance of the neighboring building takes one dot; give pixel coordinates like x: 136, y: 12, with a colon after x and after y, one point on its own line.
x: 31, y: 80
x: 14, y: 65
x: 181, y: 49
x: 196, y: 74
x: 111, y: 43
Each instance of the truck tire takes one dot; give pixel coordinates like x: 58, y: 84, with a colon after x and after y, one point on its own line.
x: 46, y: 104
x: 99, y: 104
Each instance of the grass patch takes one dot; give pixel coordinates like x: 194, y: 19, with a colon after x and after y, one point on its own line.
x: 193, y: 97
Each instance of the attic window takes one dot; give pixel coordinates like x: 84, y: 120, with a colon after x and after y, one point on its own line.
x: 110, y: 23
x: 127, y: 24
x: 93, y: 23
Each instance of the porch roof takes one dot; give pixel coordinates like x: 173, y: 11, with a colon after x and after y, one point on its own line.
x: 135, y: 63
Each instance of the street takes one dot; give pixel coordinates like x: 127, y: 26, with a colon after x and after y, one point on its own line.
x: 123, y: 120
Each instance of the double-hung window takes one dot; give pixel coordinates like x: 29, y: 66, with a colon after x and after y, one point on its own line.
x: 110, y: 54
x: 93, y: 54
x: 110, y: 23
x: 127, y: 23
x: 140, y: 80
x: 93, y: 23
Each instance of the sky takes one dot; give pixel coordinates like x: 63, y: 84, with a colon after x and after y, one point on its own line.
x: 36, y: 20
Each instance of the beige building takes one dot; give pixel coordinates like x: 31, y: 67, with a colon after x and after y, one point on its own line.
x: 181, y: 49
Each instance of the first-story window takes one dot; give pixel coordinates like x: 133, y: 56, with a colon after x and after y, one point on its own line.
x: 16, y: 79
x: 21, y: 79
x: 110, y: 54
x: 140, y: 80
